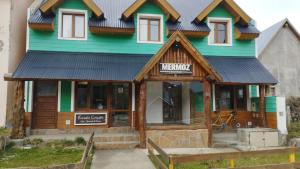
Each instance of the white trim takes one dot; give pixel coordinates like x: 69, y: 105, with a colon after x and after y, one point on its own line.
x: 229, y: 28
x: 27, y: 29
x: 132, y: 104
x: 30, y: 106
x: 161, y: 28
x: 59, y: 96
x: 92, y: 124
x: 214, y: 97
x: 72, y: 95
x: 26, y: 95
x: 62, y: 10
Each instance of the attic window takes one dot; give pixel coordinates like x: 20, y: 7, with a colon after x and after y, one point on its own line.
x: 150, y: 29
x: 72, y: 25
x: 221, y: 31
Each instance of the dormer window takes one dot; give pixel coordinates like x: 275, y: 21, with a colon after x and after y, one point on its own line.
x: 221, y: 31
x: 150, y: 29
x: 72, y: 24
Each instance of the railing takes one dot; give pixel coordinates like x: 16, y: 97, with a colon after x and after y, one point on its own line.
x: 88, y: 149
x: 166, y: 161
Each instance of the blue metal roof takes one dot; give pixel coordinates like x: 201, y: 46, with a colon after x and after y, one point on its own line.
x: 80, y: 66
x: 241, y: 70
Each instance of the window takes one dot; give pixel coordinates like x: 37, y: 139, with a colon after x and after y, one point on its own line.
x: 221, y: 32
x: 91, y: 96
x: 72, y: 25
x: 150, y: 29
x: 231, y: 98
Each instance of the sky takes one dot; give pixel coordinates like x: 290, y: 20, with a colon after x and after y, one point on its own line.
x: 268, y: 12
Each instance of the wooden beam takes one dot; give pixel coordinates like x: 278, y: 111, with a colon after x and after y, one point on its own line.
x: 49, y: 4
x: 42, y: 27
x: 207, y: 109
x: 102, y: 30
x: 96, y: 10
x: 132, y: 8
x: 262, y: 105
x: 142, y: 113
x: 245, y: 36
x: 238, y: 10
x: 8, y: 77
x: 207, y: 10
x: 18, y: 111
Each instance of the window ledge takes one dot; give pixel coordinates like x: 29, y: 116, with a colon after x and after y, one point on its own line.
x: 150, y: 42
x: 75, y: 39
x: 216, y: 44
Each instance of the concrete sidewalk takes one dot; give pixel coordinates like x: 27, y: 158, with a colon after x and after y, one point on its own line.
x: 121, y: 159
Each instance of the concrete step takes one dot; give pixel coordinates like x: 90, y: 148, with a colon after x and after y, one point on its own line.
x: 116, y: 145
x: 116, y: 137
x: 83, y: 131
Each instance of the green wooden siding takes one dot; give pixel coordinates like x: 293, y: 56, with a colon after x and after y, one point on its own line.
x: 65, y: 101
x: 270, y: 104
x: 253, y: 91
x: 48, y: 41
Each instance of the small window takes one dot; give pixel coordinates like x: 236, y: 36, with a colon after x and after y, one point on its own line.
x: 72, y: 25
x: 149, y: 30
x: 231, y: 97
x: 220, y: 33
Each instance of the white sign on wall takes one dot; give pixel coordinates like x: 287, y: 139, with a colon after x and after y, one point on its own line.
x: 176, y: 68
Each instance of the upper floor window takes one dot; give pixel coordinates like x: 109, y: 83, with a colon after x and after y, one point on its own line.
x: 72, y: 25
x: 221, y: 31
x: 150, y: 29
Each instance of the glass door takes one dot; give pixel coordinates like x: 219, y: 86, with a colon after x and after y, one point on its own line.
x: 172, y: 102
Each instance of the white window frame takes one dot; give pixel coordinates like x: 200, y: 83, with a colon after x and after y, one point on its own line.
x: 211, y: 33
x: 161, y: 17
x: 72, y: 11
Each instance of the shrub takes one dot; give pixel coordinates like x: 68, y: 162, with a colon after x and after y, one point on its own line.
x: 80, y: 141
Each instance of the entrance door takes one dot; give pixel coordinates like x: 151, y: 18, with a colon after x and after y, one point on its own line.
x: 172, y: 102
x: 45, y: 105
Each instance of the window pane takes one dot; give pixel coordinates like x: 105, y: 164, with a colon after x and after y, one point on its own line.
x: 241, y: 98
x: 46, y: 88
x: 120, y: 118
x: 225, y: 100
x: 82, y: 95
x: 120, y: 96
x: 154, y: 26
x: 98, y: 96
x: 79, y: 26
x: 220, y: 33
x: 143, y: 30
x: 67, y: 26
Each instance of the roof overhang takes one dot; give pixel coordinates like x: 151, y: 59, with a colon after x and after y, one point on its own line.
x: 49, y: 4
x: 179, y: 38
x: 231, y: 6
x: 163, y: 4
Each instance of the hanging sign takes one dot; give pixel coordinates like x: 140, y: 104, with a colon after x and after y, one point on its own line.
x: 176, y: 68
x: 84, y: 119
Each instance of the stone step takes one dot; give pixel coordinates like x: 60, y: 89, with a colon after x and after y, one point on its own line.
x: 116, y: 137
x: 116, y: 145
x: 83, y: 131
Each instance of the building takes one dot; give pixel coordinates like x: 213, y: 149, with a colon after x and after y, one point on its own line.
x: 278, y: 49
x: 161, y: 67
x: 12, y: 49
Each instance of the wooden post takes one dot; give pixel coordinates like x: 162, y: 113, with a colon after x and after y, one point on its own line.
x: 262, y: 105
x: 207, y: 110
x: 231, y: 163
x: 142, y: 114
x: 171, y: 163
x: 18, y: 111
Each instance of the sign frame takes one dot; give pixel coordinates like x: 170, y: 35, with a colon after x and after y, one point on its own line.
x: 182, y: 72
x: 91, y: 124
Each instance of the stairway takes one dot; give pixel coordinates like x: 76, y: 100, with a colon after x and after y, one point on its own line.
x: 116, y: 138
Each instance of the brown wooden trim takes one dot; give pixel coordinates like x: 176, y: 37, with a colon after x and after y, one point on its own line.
x: 262, y: 105
x: 73, y: 15
x: 149, y: 19
x: 42, y: 27
x: 49, y: 4
x: 207, y: 109
x: 107, y: 30
x: 96, y: 10
x: 179, y: 38
x: 231, y: 6
x: 245, y: 36
x: 216, y: 33
x: 167, y: 8
x: 194, y: 34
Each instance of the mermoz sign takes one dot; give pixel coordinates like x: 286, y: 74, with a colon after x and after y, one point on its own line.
x: 175, y: 68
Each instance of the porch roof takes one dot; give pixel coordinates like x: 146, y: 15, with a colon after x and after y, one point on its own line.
x: 79, y: 66
x: 124, y: 67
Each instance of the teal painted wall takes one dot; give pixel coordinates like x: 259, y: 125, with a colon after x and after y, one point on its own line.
x: 128, y: 43
x: 254, y: 92
x: 65, y: 98
x: 270, y: 104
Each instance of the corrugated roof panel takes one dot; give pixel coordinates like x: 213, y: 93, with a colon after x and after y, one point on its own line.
x: 80, y: 66
x: 241, y: 70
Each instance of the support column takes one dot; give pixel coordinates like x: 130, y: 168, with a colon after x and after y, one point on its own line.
x: 262, y: 105
x: 207, y: 110
x: 18, y: 111
x: 142, y: 113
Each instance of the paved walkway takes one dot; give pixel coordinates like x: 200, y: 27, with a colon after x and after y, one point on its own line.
x: 121, y: 159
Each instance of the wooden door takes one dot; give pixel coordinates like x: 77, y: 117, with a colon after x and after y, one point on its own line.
x: 45, y: 105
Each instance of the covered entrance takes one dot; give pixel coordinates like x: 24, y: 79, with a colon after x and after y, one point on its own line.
x: 45, y: 105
